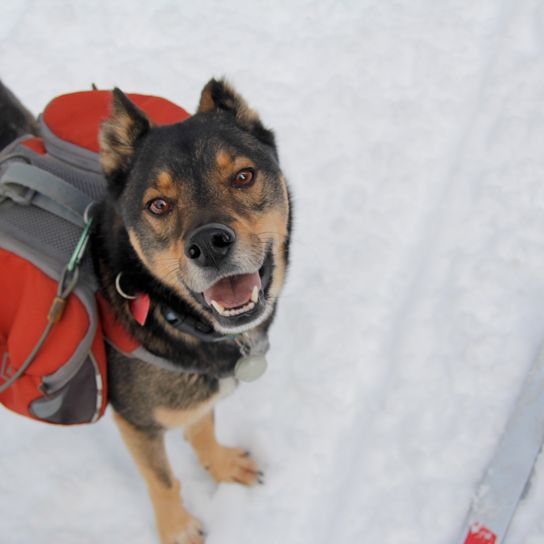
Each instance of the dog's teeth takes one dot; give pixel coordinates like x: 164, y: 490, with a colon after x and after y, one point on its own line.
x: 218, y: 306
x: 229, y: 313
x: 255, y: 294
x: 247, y: 307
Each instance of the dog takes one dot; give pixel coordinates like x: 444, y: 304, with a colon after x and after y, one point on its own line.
x: 196, y: 224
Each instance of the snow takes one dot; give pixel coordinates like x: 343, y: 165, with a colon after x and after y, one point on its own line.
x: 412, y: 135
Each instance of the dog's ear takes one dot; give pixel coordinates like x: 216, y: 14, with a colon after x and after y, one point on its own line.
x: 119, y: 134
x: 218, y: 95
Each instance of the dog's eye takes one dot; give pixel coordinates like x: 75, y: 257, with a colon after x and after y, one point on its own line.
x: 244, y: 178
x: 159, y: 206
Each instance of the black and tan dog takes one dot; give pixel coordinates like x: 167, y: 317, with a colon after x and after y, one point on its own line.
x: 197, y: 220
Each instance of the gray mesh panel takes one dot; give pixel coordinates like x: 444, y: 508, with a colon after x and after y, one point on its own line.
x: 91, y: 184
x: 40, y: 230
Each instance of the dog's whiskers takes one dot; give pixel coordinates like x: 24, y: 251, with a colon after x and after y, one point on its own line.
x: 172, y: 273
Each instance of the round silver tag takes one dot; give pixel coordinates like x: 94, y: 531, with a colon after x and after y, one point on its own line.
x: 250, y: 368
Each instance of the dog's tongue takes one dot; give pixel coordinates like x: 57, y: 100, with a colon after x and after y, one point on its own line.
x: 233, y: 291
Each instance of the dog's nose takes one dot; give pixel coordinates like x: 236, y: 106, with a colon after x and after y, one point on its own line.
x: 210, y: 244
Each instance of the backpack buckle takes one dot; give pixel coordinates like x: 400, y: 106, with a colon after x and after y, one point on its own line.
x: 17, y: 193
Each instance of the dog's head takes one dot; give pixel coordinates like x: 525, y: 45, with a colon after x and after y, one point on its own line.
x: 204, y: 203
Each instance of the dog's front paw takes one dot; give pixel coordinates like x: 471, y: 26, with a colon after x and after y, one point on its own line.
x: 183, y: 530
x: 234, y: 465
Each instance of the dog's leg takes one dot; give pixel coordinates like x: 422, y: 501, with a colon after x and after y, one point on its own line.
x: 175, y: 525
x: 224, y: 464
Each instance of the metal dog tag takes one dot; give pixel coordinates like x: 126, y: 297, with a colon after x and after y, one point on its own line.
x: 250, y: 367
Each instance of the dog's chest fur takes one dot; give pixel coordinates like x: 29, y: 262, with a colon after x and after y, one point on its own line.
x: 138, y: 389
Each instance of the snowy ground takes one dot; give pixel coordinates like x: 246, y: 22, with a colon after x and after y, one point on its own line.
x: 413, y: 136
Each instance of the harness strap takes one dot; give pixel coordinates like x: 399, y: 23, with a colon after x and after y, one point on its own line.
x: 26, y: 184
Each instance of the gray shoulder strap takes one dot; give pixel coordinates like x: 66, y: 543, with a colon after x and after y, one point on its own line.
x: 26, y: 184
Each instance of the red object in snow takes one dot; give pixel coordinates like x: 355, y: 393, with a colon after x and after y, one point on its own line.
x: 478, y: 534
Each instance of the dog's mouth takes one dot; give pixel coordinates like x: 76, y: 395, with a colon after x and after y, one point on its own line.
x: 235, y: 302
x: 238, y: 299
x: 234, y: 295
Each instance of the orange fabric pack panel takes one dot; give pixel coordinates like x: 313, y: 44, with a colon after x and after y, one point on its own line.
x: 28, y: 295
x: 35, y: 144
x: 76, y: 117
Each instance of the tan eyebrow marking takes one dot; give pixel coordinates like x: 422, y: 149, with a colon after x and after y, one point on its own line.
x: 223, y: 159
x: 228, y: 164
x: 165, y: 183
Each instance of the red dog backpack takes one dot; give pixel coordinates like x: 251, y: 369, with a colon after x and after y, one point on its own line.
x: 53, y: 325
